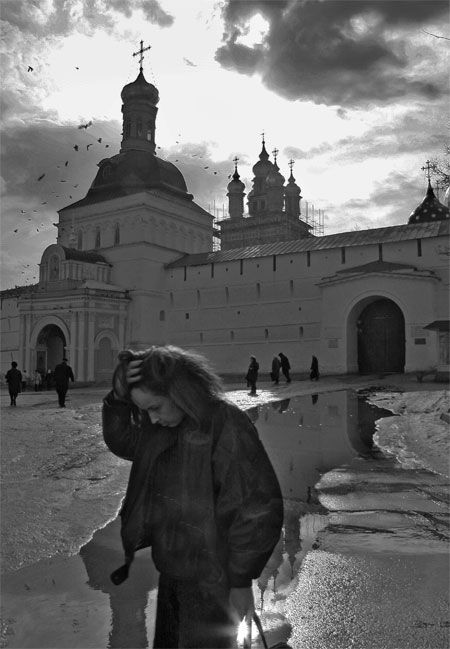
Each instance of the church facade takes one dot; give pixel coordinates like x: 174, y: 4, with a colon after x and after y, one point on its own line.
x: 133, y: 265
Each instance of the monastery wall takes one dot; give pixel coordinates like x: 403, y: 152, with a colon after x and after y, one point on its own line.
x: 264, y: 305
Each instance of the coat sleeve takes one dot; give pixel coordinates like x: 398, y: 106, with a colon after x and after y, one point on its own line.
x: 120, y: 432
x: 249, y: 504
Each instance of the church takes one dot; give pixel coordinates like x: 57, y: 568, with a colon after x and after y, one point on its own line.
x: 135, y: 264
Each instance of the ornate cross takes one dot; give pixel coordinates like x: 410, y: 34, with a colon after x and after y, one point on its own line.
x: 141, y: 51
x: 428, y: 168
x: 291, y: 164
x: 275, y: 152
x: 235, y: 160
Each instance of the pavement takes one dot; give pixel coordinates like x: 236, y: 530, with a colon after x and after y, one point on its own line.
x: 374, y: 572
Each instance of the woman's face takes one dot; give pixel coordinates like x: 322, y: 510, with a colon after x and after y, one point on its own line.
x: 161, y: 410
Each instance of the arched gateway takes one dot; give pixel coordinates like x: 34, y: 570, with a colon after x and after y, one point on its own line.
x: 381, y: 338
x: 50, y: 347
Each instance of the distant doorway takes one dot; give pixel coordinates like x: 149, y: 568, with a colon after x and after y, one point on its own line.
x: 50, y: 347
x: 381, y: 338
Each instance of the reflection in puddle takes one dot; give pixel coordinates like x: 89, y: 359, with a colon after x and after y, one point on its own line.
x: 305, y: 437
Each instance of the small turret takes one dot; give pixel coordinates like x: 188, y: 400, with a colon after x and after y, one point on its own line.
x: 292, y: 195
x: 236, y: 194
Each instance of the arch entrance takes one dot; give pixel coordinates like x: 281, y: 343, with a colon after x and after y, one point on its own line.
x: 50, y: 347
x: 380, y: 337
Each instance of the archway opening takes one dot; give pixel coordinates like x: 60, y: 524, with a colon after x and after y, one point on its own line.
x: 381, y: 338
x: 50, y: 348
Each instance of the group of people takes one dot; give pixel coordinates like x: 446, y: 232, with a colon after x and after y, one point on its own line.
x: 60, y: 376
x: 280, y: 365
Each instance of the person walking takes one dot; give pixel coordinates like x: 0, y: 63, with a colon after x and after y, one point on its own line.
x: 14, y: 380
x: 314, y: 375
x: 62, y: 373
x: 252, y: 375
x: 285, y: 366
x: 202, y: 493
x: 37, y: 380
x: 275, y: 373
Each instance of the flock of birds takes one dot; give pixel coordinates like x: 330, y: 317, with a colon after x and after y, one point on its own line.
x: 64, y: 165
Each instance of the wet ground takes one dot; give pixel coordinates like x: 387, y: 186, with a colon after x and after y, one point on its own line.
x: 363, y: 561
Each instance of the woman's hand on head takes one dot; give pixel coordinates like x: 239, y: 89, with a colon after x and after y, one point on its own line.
x: 124, y: 377
x: 133, y: 373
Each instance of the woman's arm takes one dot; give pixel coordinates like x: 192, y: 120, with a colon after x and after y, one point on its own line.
x: 249, y: 504
x: 120, y: 433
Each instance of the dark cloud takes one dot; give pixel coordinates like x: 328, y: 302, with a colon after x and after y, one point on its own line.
x: 332, y: 51
x: 390, y: 203
x: 61, y: 17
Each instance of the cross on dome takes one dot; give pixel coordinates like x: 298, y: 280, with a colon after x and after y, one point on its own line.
x: 140, y: 52
x: 428, y: 168
x: 235, y: 160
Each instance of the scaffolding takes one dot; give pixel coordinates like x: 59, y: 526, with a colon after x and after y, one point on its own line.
x: 315, y: 218
x: 312, y: 216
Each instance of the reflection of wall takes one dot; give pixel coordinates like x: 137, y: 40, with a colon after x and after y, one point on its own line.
x: 309, y: 438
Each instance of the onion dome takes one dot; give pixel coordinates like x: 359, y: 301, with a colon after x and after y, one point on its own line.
x: 430, y: 209
x: 274, y: 177
x: 292, y: 189
x: 264, y: 166
x: 236, y: 185
x: 140, y: 89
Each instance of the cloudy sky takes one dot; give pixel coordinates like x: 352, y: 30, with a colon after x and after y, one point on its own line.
x: 354, y: 91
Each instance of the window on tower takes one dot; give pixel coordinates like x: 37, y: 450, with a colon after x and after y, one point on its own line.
x: 149, y: 132
x: 139, y: 127
x: 128, y: 128
x: 97, y: 238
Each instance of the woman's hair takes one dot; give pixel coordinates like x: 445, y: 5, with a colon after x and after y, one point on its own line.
x: 184, y: 376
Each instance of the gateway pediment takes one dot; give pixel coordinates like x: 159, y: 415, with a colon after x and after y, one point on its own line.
x: 382, y: 268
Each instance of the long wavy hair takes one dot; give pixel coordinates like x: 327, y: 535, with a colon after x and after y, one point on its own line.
x: 184, y: 376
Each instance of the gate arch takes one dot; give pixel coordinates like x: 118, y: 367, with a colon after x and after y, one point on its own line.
x: 376, y: 336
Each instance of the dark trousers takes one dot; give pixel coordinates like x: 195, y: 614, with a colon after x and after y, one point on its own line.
x: 286, y: 374
x: 13, y: 396
x: 252, y: 385
x: 62, y: 391
x: 190, y: 614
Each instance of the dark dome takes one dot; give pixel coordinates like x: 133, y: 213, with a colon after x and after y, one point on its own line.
x: 140, y: 89
x: 430, y: 209
x: 131, y: 172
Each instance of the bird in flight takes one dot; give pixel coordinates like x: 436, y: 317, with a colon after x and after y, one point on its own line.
x: 86, y: 126
x: 30, y: 69
x: 87, y: 148
x: 41, y: 176
x: 99, y: 140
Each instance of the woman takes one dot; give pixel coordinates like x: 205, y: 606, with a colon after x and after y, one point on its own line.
x: 202, y: 493
x: 252, y: 375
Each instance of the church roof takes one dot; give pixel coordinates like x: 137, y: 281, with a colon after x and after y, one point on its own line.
x: 340, y: 240
x: 131, y: 172
x: 430, y: 209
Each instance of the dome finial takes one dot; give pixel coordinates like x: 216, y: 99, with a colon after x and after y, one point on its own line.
x: 140, y: 52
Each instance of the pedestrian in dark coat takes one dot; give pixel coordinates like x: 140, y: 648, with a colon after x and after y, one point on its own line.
x: 61, y: 375
x: 314, y: 375
x: 275, y: 373
x: 252, y: 375
x: 202, y: 493
x: 285, y: 366
x: 14, y: 380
